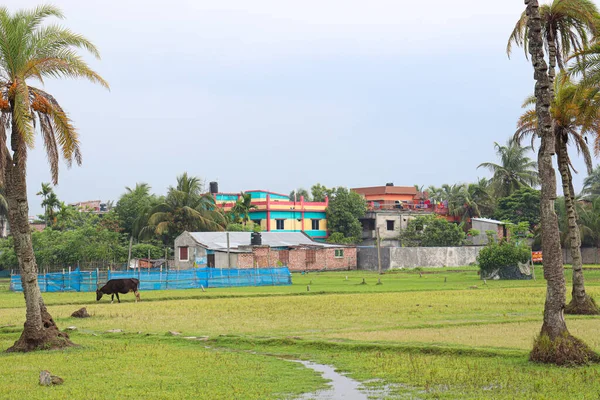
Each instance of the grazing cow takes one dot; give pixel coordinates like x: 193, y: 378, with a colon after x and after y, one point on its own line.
x: 116, y: 286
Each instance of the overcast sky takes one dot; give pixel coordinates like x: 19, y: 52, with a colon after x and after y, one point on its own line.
x: 271, y: 94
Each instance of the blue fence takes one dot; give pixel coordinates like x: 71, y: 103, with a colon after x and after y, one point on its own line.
x: 156, y: 279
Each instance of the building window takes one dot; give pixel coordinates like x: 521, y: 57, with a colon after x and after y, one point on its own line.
x: 279, y: 223
x: 339, y: 253
x: 315, y: 224
x: 390, y: 225
x: 257, y: 221
x: 183, y: 254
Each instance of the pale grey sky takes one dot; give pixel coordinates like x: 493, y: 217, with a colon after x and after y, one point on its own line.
x: 271, y: 94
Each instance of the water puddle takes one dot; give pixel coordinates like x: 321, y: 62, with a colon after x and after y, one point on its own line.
x: 342, y: 387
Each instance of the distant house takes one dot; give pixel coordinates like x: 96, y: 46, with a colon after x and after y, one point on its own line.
x: 389, y: 209
x: 485, y: 224
x: 275, y: 212
x: 295, y: 250
x: 93, y: 206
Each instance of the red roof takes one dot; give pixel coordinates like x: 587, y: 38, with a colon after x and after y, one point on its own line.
x: 374, y: 190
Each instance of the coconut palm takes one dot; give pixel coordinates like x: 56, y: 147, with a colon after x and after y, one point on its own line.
x: 589, y: 221
x: 184, y: 208
x: 480, y: 193
x: 575, y: 113
x: 514, y: 171
x: 50, y: 204
x: 554, y: 344
x: 33, y: 51
x: 567, y: 26
x: 591, y: 185
x: 45, y: 192
x: 241, y: 208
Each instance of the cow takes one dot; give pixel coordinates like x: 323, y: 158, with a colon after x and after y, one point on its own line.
x: 116, y: 286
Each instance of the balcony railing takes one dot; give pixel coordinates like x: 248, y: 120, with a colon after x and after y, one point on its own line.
x: 414, y: 207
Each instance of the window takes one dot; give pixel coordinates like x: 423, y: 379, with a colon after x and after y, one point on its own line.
x: 315, y: 224
x: 339, y: 253
x: 183, y: 254
x: 390, y: 225
x: 279, y: 223
x: 256, y: 221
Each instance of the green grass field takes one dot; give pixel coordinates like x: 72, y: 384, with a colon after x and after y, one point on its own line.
x: 438, y: 334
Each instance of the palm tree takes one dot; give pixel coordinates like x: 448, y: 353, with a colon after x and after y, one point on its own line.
x: 554, y: 334
x: 589, y: 221
x: 184, y: 208
x: 567, y: 26
x: 45, y: 192
x: 591, y: 185
x: 435, y: 194
x: 575, y: 112
x: 31, y: 50
x: 480, y: 193
x: 242, y: 207
x: 51, y: 203
x: 65, y: 216
x: 514, y: 171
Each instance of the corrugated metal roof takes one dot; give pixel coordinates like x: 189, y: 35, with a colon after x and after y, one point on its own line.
x: 218, y: 240
x: 491, y: 221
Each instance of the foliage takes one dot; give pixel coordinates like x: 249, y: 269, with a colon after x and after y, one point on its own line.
x: 141, y: 250
x: 522, y: 205
x: 589, y: 222
x: 502, y: 254
x: 248, y: 227
x: 32, y: 50
x: 320, y: 192
x: 69, y: 248
x: 515, y: 170
x: 339, y: 238
x: 184, y: 208
x: 473, y: 232
x: 133, y: 204
x: 591, y: 185
x: 241, y: 209
x: 343, y: 213
x: 465, y: 201
x: 297, y: 195
x: 431, y: 231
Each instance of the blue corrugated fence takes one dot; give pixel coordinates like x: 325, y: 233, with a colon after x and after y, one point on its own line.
x: 157, y: 279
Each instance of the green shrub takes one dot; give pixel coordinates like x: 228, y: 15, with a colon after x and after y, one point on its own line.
x: 503, y: 254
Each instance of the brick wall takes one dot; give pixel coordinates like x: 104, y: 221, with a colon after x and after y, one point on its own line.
x: 299, y: 259
x: 245, y: 260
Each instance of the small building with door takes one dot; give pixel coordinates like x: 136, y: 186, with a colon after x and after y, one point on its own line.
x: 295, y: 250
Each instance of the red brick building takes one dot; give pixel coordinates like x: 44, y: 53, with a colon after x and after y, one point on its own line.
x: 295, y: 250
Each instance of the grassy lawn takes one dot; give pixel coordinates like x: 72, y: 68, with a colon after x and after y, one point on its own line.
x: 435, y: 333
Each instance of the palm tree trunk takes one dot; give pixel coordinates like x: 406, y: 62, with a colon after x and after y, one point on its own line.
x: 581, y: 303
x: 555, y: 344
x: 40, y: 331
x: 551, y: 62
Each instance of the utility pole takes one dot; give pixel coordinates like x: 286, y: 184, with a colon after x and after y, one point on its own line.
x: 379, y: 251
x: 129, y: 255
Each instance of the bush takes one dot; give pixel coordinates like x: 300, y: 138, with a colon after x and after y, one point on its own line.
x: 431, y: 231
x: 500, y: 255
